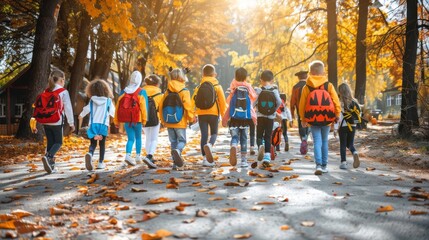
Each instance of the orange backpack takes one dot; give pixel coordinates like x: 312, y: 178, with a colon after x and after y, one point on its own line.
x: 276, y: 136
x: 319, y: 108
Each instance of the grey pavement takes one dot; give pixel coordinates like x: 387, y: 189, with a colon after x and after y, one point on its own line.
x: 341, y: 204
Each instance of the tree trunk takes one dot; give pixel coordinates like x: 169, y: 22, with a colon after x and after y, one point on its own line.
x: 360, y: 87
x: 78, y: 69
x: 332, y: 42
x: 40, y: 62
x: 63, y: 37
x: 105, y: 47
x: 409, y: 116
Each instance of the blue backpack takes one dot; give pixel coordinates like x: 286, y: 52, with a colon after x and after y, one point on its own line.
x: 240, y: 104
x: 172, y: 107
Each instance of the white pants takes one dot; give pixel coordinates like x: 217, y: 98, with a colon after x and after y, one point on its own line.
x: 151, y: 134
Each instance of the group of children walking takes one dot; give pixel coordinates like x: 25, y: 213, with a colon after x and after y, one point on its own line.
x: 245, y: 107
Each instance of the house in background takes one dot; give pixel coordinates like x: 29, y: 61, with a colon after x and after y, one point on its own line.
x: 391, y: 101
x: 13, y: 96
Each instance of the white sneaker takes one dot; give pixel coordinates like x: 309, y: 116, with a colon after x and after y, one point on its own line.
x: 129, y: 160
x: 266, y: 161
x: 139, y: 159
x: 233, y: 155
x: 177, y: 158
x: 209, y: 153
x: 149, y: 163
x: 343, y: 165
x: 324, y: 169
x: 206, y: 163
x: 318, y: 170
x: 243, y: 163
x: 88, y: 162
x: 261, y: 152
x: 101, y: 165
x: 252, y: 150
x: 356, y: 161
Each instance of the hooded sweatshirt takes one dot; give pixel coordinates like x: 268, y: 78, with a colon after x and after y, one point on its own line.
x: 219, y: 108
x: 151, y: 91
x: 133, y: 86
x: 316, y: 81
x: 188, y: 115
x: 278, y: 100
x: 99, y: 110
x: 252, y: 95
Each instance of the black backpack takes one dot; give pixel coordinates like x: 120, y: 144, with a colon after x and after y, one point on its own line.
x: 172, y: 107
x: 352, y: 115
x: 267, y: 102
x: 206, y: 96
x: 153, y: 119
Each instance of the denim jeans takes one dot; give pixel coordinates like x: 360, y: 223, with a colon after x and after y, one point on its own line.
x: 205, y: 121
x: 320, y: 139
x: 134, y: 134
x: 239, y: 134
x: 54, y: 136
x: 346, y: 141
x: 177, y: 138
x: 252, y: 130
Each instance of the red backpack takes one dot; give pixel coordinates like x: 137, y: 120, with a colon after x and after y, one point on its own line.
x: 48, y: 107
x: 129, y: 107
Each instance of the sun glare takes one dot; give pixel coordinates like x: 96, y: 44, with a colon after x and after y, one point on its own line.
x: 246, y: 4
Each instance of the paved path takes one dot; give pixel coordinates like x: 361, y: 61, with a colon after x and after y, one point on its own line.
x: 338, y: 205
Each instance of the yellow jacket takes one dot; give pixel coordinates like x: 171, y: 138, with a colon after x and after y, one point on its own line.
x: 185, y: 95
x: 220, y: 99
x: 315, y: 82
x: 142, y: 103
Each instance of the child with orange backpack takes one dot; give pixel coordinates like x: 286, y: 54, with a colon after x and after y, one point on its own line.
x: 131, y: 110
x: 100, y: 107
x: 319, y: 107
x: 49, y: 110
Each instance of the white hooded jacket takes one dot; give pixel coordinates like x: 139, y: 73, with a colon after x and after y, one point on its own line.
x: 98, y: 110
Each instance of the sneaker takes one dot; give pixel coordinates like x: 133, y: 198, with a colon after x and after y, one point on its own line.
x: 266, y: 162
x: 343, y: 165
x: 243, y: 163
x: 286, y: 146
x: 304, y: 147
x: 261, y: 152
x: 278, y: 148
x: 129, y: 160
x: 149, y: 163
x: 252, y: 150
x: 46, y: 164
x: 174, y: 167
x: 101, y: 165
x: 324, y: 169
x: 54, y: 169
x: 356, y: 161
x: 88, y: 162
x: 177, y: 158
x: 233, y: 155
x: 208, y: 152
x: 206, y: 163
x: 318, y: 170
x: 139, y: 159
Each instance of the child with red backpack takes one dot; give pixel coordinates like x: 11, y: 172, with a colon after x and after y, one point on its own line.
x: 176, y: 112
x: 151, y: 129
x: 49, y: 110
x: 319, y: 107
x: 100, y: 107
x: 209, y: 102
x: 240, y: 114
x: 267, y: 104
x: 131, y: 110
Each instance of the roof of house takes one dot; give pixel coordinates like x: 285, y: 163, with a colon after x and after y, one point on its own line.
x: 394, y: 89
x: 14, y: 79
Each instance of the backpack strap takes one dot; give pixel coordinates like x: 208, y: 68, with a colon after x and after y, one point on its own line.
x: 107, y: 110
x: 90, y: 111
x: 156, y: 94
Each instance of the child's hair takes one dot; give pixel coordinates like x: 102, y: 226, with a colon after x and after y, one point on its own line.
x: 267, y: 76
x: 98, y: 87
x: 317, y: 68
x: 345, y: 94
x: 55, y: 75
x: 152, y: 80
x: 178, y: 74
x: 209, y: 70
x: 241, y: 74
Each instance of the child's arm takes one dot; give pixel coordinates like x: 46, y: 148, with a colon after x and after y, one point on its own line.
x: 112, y: 108
x: 80, y: 121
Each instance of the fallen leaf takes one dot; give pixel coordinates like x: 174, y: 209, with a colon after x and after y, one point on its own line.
x: 97, y: 219
x: 138, y: 182
x: 370, y: 169
x: 138, y: 190
x: 265, y: 203
x: 8, y: 189
x: 219, y: 178
x: 23, y: 227
x: 242, y: 236
x: 284, y: 227
x: 387, y: 208
x: 74, y: 225
x: 157, y: 181
x: 201, y: 213
x: 308, y: 223
x: 171, y: 186
x: 162, y: 171
x: 397, y: 179
x: 415, y: 212
x: 158, y: 235
x: 74, y: 168
x: 113, y: 221
x: 215, y: 199
x: 191, y: 220
x: 7, y: 170
x: 10, y: 235
x: 260, y: 180
x: 94, y: 177
x: 393, y: 193
x: 254, y: 165
x: 149, y: 215
x: 59, y: 211
x: 257, y: 208
x: 285, y: 168
x: 232, y: 184
x: 338, y: 183
x: 130, y: 221
x: 160, y: 200
x: 7, y: 225
x: 196, y: 184
x: 133, y: 230
x: 18, y: 213
x: 229, y: 210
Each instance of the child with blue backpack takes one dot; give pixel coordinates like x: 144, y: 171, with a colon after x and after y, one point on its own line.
x: 240, y: 115
x: 100, y: 107
x: 176, y: 112
x: 267, y: 104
